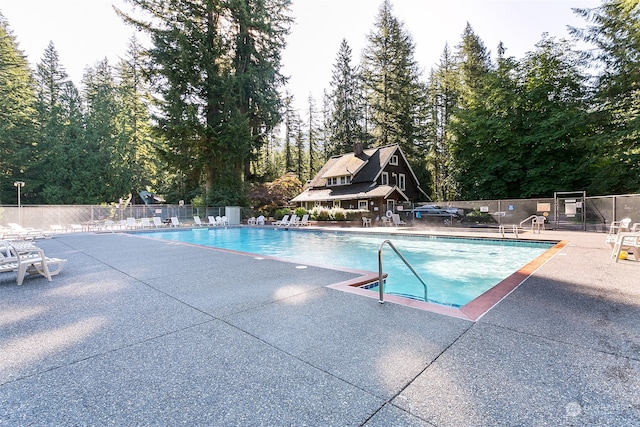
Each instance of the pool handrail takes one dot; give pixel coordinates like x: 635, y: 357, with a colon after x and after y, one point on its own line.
x: 380, y: 274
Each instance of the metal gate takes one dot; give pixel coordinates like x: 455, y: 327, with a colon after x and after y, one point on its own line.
x: 569, y: 209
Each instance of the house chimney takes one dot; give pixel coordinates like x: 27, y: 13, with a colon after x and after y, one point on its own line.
x: 357, y: 148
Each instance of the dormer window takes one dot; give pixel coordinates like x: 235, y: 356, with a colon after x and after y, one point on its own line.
x: 384, y: 179
x: 338, y: 180
x: 393, y: 160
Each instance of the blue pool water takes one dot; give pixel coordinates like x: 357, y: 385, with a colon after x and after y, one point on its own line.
x: 456, y: 270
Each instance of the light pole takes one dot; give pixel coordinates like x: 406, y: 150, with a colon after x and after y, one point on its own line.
x: 19, y: 185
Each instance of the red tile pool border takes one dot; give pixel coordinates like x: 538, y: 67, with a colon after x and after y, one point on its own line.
x: 474, y: 309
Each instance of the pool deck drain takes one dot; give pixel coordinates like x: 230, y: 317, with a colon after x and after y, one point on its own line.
x: 140, y: 332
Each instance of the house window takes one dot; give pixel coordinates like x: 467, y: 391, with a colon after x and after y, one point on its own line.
x: 401, y: 181
x: 336, y: 203
x: 385, y: 178
x: 393, y: 160
x: 363, y: 205
x: 338, y: 180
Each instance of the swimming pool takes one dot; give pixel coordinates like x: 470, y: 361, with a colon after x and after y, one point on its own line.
x: 456, y: 270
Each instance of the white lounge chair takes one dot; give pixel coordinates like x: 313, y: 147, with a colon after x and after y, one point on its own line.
x: 617, y: 227
x: 260, y: 220
x: 175, y: 222
x: 29, y: 233
x: 212, y: 220
x: 285, y: 219
x: 628, y: 242
x: 252, y: 221
x: 132, y: 223
x: 290, y: 223
x: 57, y: 228
x: 23, y: 258
x: 157, y: 222
x: 145, y: 223
x: 397, y: 221
x: 304, y: 221
x: 197, y: 221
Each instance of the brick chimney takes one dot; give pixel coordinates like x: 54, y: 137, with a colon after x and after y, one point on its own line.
x: 357, y: 148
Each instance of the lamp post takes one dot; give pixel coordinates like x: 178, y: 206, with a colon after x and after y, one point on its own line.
x: 19, y: 185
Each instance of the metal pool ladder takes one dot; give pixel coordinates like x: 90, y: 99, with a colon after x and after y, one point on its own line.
x: 381, y: 279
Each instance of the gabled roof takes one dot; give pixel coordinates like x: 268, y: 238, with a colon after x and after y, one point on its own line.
x: 346, y: 165
x: 364, y: 167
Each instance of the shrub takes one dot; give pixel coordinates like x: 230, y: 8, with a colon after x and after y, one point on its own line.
x: 323, y: 215
x: 478, y: 217
x: 282, y: 212
x: 300, y: 211
x: 339, y: 214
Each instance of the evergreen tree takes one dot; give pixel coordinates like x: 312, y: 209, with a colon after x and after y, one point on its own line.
x: 216, y: 67
x: 134, y: 125
x: 345, y: 104
x: 393, y: 90
x: 105, y: 176
x: 614, y: 30
x: 442, y: 97
x: 61, y: 130
x: 292, y: 137
x: 18, y: 130
x: 300, y: 150
x: 313, y: 139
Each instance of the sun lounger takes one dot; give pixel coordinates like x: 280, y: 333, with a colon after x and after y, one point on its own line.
x: 397, y: 221
x: 285, y: 219
x: 617, y: 227
x: 197, y: 221
x: 157, y: 222
x: 304, y: 221
x: 628, y: 242
x: 291, y: 222
x: 132, y: 223
x: 24, y: 257
x: 29, y: 233
x: 213, y: 221
x: 175, y: 222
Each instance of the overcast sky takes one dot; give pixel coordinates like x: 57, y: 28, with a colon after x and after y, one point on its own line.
x: 86, y: 31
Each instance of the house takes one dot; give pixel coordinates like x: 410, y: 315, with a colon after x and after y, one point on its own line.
x: 374, y: 179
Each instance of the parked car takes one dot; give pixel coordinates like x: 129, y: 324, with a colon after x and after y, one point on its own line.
x: 438, y: 210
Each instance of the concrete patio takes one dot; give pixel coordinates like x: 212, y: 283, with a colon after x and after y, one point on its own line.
x: 141, y: 332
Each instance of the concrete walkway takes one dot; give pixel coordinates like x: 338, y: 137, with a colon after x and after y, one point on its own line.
x: 141, y: 332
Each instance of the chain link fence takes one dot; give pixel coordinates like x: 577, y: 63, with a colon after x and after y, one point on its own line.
x: 567, y: 213
x: 564, y: 212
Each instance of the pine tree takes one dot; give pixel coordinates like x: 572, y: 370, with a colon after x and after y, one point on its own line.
x: 134, y: 124
x: 105, y: 176
x: 58, y: 109
x: 313, y: 139
x: 346, y: 104
x: 443, y: 90
x: 216, y: 67
x: 18, y: 130
x: 392, y: 86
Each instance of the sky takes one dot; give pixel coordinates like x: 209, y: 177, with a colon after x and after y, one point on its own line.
x: 85, y: 32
